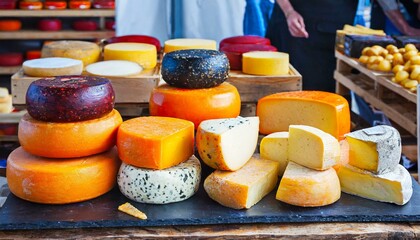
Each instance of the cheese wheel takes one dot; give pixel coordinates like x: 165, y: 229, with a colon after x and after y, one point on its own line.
x: 30, y: 5
x: 304, y: 187
x: 114, y: 68
x: 234, y: 52
x: 85, y: 25
x: 68, y: 140
x: 195, y: 68
x: 53, y: 66
x: 8, y: 4
x: 110, y: 25
x: 70, y: 98
x: 33, y: 54
x: 278, y: 111
x: 275, y: 147
x: 75, y: 4
x: 104, y: 4
x: 6, y: 104
x: 11, y: 59
x: 142, y: 53
x: 247, y: 39
x: 49, y: 25
x: 188, y: 43
x: 195, y: 105
x: 55, y: 5
x: 60, y: 181
x: 135, y: 39
x: 173, y: 184
x: 10, y: 25
x: 155, y: 142
x: 265, y: 63
x: 87, y: 52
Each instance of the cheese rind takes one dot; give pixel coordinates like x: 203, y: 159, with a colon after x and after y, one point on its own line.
x: 87, y: 52
x: 114, y: 68
x: 275, y: 147
x: 244, y: 187
x: 302, y: 186
x: 188, y: 43
x: 392, y: 187
x: 376, y: 149
x: 265, y: 63
x: 227, y: 144
x: 173, y: 184
x: 54, y: 66
x: 142, y: 53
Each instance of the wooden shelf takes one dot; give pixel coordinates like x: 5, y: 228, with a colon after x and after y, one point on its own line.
x: 67, y: 34
x: 9, y: 70
x: 58, y: 13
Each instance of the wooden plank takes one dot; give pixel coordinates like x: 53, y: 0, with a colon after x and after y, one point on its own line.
x: 410, y: 151
x: 386, y: 82
x: 58, y: 13
x: 13, y: 117
x: 65, y: 34
x: 9, y: 70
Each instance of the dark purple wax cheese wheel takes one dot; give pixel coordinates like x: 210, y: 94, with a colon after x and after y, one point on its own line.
x: 70, y: 98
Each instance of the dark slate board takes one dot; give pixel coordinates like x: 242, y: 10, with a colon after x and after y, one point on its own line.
x: 198, y: 210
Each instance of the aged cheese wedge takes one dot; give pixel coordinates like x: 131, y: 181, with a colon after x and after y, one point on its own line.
x: 275, y: 147
x: 312, y: 147
x: 131, y: 210
x: 87, y: 52
x: 155, y: 142
x: 227, y: 144
x: 265, y: 63
x: 52, y: 66
x: 60, y: 181
x: 245, y: 187
x: 142, y: 53
x: 173, y: 184
x: 114, y: 68
x: 392, y: 187
x: 302, y: 186
x: 376, y: 149
x: 327, y: 111
x: 188, y: 43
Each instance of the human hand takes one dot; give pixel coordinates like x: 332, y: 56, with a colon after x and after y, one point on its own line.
x: 296, y: 24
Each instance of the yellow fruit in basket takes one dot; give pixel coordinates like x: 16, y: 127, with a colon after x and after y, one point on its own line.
x: 410, y: 47
x: 398, y: 59
x: 384, y: 52
x: 415, y: 72
x: 401, y: 50
x: 384, y: 66
x: 411, y: 84
x: 407, y: 66
x: 372, y: 52
x: 402, y: 83
x: 393, y: 80
x: 412, y: 67
x: 413, y: 89
x: 365, y: 49
x: 415, y: 60
x: 397, y: 68
x: 363, y: 59
x: 373, y: 66
x: 401, y: 76
x: 389, y: 57
x: 392, y: 49
x: 375, y: 59
x: 409, y: 54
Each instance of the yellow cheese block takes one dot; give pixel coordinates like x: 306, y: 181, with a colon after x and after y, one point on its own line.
x: 305, y: 187
x: 327, y: 111
x: 52, y: 66
x: 312, y: 147
x: 189, y: 43
x: 142, y: 53
x: 393, y: 187
x: 244, y: 187
x: 87, y: 52
x: 265, y: 63
x: 6, y: 105
x: 274, y: 147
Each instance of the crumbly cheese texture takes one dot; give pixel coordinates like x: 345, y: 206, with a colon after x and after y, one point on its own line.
x: 189, y: 43
x: 275, y: 147
x: 114, y: 68
x: 227, y: 144
x: 312, y: 147
x: 376, y: 149
x: 302, y: 186
x: 173, y: 184
x: 244, y: 187
x: 142, y: 53
x: 87, y: 52
x: 52, y: 66
x: 392, y: 187
x: 265, y: 63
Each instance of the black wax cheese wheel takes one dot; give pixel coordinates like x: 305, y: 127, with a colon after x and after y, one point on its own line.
x: 70, y: 98
x: 195, y: 68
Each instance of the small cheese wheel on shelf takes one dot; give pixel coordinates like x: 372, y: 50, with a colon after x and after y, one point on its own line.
x: 195, y: 105
x: 304, y: 187
x: 87, y: 52
x: 85, y: 25
x: 278, y: 111
x: 110, y: 25
x: 10, y: 25
x: 247, y: 39
x: 245, y: 187
x: 30, y: 5
x: 49, y: 25
x: 68, y: 140
x: 70, y: 98
x: 135, y: 39
x: 11, y: 59
x: 169, y: 185
x: 275, y: 147
x: 142, y: 53
x: 104, y: 4
x: 265, y: 63
x: 227, y: 143
x: 234, y: 52
x: 52, y: 66
x: 155, y: 142
x: 114, y: 68
x: 8, y: 4
x: 61, y: 181
x: 33, y: 54
x: 83, y: 4
x: 312, y: 147
x: 55, y: 5
x: 188, y: 43
x: 195, y: 68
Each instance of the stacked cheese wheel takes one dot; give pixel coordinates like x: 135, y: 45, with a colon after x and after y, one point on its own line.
x: 67, y: 140
x: 87, y: 52
x: 158, y: 162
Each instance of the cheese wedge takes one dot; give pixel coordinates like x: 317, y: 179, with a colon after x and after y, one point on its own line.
x: 142, y: 53
x: 87, y: 52
x: 376, y: 149
x: 54, y: 66
x: 245, y: 187
x: 301, y: 186
x: 189, y: 43
x: 227, y: 144
x: 265, y: 63
x: 114, y: 68
x: 275, y: 147
x: 392, y: 187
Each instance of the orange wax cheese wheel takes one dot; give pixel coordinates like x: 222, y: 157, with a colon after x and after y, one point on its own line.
x: 155, y: 142
x: 265, y: 63
x: 10, y: 25
x: 60, y: 181
x: 195, y: 105
x: 327, y: 111
x: 142, y: 53
x: 69, y: 140
x: 87, y: 52
x: 189, y: 43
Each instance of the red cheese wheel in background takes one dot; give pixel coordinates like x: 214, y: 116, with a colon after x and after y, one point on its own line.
x: 135, y: 39
x: 249, y: 39
x: 10, y: 25
x: 33, y: 54
x: 234, y: 52
x: 55, y: 5
x: 30, y: 5
x: 85, y: 25
x: 8, y: 4
x: 11, y: 59
x: 110, y: 25
x: 49, y: 25
x: 79, y: 4
x: 104, y: 4
x: 70, y: 98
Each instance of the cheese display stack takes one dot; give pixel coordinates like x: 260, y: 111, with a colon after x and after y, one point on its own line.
x: 67, y: 141
x: 158, y: 162
x: 373, y: 169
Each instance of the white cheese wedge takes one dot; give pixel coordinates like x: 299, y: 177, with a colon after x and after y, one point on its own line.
x: 376, y: 149
x: 312, y: 147
x: 54, y: 66
x: 114, y: 68
x: 274, y: 147
x: 173, y: 184
x: 228, y: 143
x: 392, y: 187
